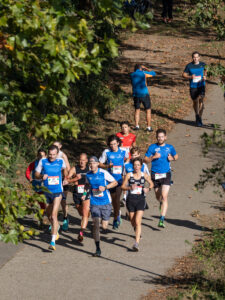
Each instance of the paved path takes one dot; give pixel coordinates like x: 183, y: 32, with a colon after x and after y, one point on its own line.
x: 72, y: 273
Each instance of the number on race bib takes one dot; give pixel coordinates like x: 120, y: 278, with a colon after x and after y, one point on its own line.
x: 116, y: 169
x: 197, y: 79
x: 80, y: 189
x: 160, y: 176
x: 97, y: 193
x: 53, y: 180
x: 137, y: 190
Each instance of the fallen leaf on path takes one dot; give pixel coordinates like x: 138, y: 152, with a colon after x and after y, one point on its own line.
x: 187, y: 135
x: 44, y: 262
x: 195, y: 213
x: 189, y: 197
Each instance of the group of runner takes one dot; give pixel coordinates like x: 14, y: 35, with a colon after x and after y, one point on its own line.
x: 98, y: 183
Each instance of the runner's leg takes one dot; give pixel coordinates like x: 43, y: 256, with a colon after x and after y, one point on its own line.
x: 96, y: 235
x: 85, y: 214
x: 116, y: 203
x: 148, y: 117
x: 138, y: 219
x: 137, y: 116
x: 54, y: 215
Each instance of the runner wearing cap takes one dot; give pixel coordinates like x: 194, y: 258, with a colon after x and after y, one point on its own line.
x: 98, y: 183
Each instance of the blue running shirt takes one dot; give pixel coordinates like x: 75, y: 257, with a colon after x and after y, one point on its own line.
x: 162, y: 164
x: 117, y: 159
x: 95, y: 180
x: 128, y: 168
x: 54, y: 171
x: 138, y: 80
x: 198, y: 71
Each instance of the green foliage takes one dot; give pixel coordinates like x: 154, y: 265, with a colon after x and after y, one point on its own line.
x: 47, y: 45
x: 209, y: 14
x: 215, y: 175
x: 15, y: 201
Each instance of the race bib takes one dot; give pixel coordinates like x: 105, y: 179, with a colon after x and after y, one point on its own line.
x: 97, y: 193
x: 197, y: 79
x: 137, y: 190
x: 80, y: 189
x: 116, y: 170
x: 160, y: 176
x: 53, y: 180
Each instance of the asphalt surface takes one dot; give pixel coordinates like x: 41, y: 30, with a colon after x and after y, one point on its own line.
x: 72, y: 273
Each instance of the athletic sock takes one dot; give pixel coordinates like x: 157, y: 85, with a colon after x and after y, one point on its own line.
x: 137, y: 126
x: 149, y: 128
x: 97, y: 245
x: 53, y: 238
x: 162, y: 218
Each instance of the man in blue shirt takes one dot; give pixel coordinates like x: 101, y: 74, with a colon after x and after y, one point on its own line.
x: 196, y: 73
x: 141, y: 93
x: 50, y: 171
x: 160, y: 155
x: 113, y: 159
x: 98, y: 183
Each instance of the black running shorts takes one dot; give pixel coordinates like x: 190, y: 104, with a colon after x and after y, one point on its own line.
x: 196, y: 92
x: 135, y: 203
x: 165, y: 180
x: 145, y: 100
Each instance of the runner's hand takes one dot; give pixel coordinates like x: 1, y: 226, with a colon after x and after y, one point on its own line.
x: 102, y: 188
x: 83, y: 198
x: 110, y: 165
x: 65, y: 182
x: 146, y: 190
x: 156, y: 156
x: 78, y: 176
x: 170, y: 157
x: 204, y: 77
x: 45, y: 176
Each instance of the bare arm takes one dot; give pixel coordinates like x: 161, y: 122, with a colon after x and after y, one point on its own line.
x: 187, y: 76
x: 124, y: 186
x: 148, y: 179
x: 65, y: 158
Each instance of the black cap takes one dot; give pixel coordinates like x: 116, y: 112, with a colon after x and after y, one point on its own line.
x: 94, y: 158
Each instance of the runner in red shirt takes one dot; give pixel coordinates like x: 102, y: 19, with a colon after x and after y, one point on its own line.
x: 128, y: 139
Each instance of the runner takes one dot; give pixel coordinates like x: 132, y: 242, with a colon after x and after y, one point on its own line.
x: 128, y: 139
x: 65, y: 207
x: 113, y: 159
x: 160, y: 155
x: 134, y: 183
x: 98, y: 182
x: 128, y: 167
x: 196, y: 73
x: 30, y: 174
x: 51, y: 168
x: 77, y: 175
x: 141, y: 93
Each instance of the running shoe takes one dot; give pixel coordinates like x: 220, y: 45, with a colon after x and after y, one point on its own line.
x: 136, y: 246
x: 80, y: 236
x: 200, y: 120
x: 161, y: 224
x: 149, y: 129
x: 65, y: 225
x: 52, y: 246
x: 136, y: 128
x: 115, y: 225
x: 57, y: 236
x: 97, y: 253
